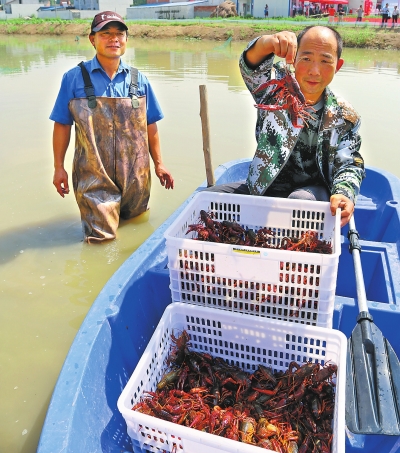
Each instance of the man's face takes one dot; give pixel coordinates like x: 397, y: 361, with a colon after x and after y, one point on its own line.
x: 316, y: 62
x: 110, y: 41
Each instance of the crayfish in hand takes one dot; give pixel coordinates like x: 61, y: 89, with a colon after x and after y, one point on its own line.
x: 288, y: 96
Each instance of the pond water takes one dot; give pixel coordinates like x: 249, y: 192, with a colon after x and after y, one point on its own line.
x: 49, y: 278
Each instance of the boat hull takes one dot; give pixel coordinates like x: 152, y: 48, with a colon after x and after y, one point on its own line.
x: 83, y: 415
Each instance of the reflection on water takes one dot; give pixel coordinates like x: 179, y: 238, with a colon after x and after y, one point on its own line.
x: 180, y: 56
x: 49, y: 278
x: 372, y: 61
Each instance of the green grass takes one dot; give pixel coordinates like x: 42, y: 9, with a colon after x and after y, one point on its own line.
x: 12, y: 29
x: 360, y: 36
x: 36, y: 21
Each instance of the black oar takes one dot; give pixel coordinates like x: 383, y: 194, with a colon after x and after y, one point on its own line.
x: 373, y: 369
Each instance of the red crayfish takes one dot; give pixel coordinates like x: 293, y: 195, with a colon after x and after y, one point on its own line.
x: 288, y: 97
x: 230, y: 232
x: 284, y: 411
x: 308, y: 242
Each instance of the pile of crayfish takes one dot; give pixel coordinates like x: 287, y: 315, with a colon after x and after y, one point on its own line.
x: 227, y: 232
x: 286, y: 412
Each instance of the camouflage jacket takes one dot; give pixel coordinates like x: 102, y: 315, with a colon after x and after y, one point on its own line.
x: 338, y: 159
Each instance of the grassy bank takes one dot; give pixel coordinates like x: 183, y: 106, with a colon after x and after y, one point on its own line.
x: 218, y: 29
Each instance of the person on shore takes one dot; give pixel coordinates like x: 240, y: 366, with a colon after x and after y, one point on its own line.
x: 385, y: 15
x: 360, y: 12
x: 332, y: 13
x: 319, y: 160
x: 294, y: 9
x: 340, y: 13
x: 395, y: 15
x: 115, y: 112
x: 266, y: 11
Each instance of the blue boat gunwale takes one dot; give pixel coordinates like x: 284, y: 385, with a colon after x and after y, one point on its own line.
x: 66, y: 399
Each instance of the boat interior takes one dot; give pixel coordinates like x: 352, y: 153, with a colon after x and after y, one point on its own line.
x: 128, y: 309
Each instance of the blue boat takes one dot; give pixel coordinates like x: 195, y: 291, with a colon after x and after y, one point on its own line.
x: 83, y: 414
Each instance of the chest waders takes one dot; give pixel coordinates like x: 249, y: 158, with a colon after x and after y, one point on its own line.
x: 111, y: 168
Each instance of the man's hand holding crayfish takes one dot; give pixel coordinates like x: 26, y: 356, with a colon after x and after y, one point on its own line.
x: 316, y: 59
x: 282, y: 44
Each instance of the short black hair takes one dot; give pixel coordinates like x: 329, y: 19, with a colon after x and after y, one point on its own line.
x: 339, y: 40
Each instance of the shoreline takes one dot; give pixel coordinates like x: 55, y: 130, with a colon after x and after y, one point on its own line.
x: 216, y: 30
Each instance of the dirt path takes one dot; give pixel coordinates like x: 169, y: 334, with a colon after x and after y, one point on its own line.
x: 378, y: 39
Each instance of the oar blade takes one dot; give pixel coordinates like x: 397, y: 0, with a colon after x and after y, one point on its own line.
x: 373, y: 383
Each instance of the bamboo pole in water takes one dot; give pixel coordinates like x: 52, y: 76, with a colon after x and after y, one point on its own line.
x: 205, y: 126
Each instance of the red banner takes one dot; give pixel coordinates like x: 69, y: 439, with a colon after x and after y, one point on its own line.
x: 332, y: 2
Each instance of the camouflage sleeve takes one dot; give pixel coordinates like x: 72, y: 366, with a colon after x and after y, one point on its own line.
x: 253, y: 78
x: 348, y: 165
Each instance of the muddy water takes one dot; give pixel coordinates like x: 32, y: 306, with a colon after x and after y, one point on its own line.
x: 48, y: 277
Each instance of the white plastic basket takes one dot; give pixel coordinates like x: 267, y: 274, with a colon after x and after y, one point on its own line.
x: 242, y: 340
x: 287, y: 285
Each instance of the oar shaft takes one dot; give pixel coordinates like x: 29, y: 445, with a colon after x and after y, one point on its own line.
x: 355, y: 251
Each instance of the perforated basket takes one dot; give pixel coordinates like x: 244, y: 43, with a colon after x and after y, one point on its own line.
x: 241, y: 340
x: 287, y: 285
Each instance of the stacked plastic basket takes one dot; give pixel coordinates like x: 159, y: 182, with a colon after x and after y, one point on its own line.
x: 280, y: 284
x: 255, y: 291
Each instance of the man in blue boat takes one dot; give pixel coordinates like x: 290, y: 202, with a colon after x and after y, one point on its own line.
x: 115, y: 113
x: 307, y: 150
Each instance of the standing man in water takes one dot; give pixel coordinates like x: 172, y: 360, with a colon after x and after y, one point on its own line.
x: 115, y: 113
x: 319, y: 160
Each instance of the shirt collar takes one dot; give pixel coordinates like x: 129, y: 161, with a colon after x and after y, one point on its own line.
x: 95, y: 65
